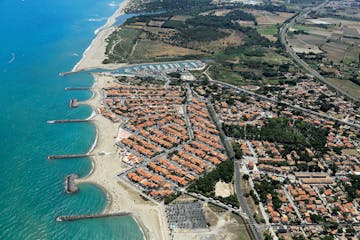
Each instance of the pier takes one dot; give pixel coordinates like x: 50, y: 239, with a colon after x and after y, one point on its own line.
x: 70, y: 186
x: 90, y: 216
x: 63, y: 74
x: 77, y: 88
x: 74, y: 103
x: 51, y: 157
x: 69, y: 121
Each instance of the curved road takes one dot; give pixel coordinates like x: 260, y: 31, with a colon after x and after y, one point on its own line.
x: 299, y: 61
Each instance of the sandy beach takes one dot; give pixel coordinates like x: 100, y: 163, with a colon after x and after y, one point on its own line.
x: 106, y: 161
x: 95, y: 53
x: 122, y: 197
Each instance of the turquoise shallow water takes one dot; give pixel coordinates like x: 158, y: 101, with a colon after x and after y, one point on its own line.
x: 48, y: 37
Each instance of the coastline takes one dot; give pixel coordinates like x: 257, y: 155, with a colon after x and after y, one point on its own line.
x: 105, y: 159
x: 106, y: 165
x: 94, y: 55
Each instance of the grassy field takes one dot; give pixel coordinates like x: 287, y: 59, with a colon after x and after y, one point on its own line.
x: 335, y: 51
x: 267, y: 29
x: 346, y: 85
x: 301, y: 46
x: 352, y: 55
x: 234, y: 39
x: 312, y: 39
x: 305, y: 28
x: 120, y: 43
x: 267, y: 17
x: 148, y: 49
x: 197, y: 74
x: 255, y: 66
x: 274, y: 58
x: 224, y: 74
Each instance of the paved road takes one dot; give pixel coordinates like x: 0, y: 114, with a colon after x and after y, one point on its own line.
x: 299, y: 61
x: 244, y: 206
x: 239, y: 193
x: 214, y: 202
x: 294, y: 205
x: 228, y: 147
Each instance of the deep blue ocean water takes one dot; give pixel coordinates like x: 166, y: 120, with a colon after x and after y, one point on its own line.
x: 48, y: 37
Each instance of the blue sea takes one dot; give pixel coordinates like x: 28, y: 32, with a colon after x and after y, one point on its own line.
x: 38, y: 40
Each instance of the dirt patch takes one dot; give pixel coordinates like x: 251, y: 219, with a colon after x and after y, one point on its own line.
x: 301, y: 46
x: 350, y: 152
x: 245, y: 186
x: 347, y: 86
x: 266, y: 17
x: 122, y: 134
x: 246, y: 23
x: 221, y: 12
x: 181, y: 18
x: 235, y: 38
x: 210, y: 216
x: 335, y: 51
x: 223, y: 189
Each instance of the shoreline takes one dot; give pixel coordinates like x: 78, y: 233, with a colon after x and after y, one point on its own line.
x: 94, y: 54
x: 106, y: 166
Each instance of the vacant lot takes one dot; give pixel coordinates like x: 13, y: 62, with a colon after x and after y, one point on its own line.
x: 270, y: 18
x: 335, y: 51
x: 148, y: 49
x: 217, y: 12
x: 268, y: 31
x: 302, y: 44
x: 347, y: 86
x: 181, y: 18
x: 352, y: 55
x: 223, y: 189
x: 306, y: 28
x: 245, y: 186
x: 235, y: 38
x: 312, y: 39
x: 226, y: 74
x: 341, y: 22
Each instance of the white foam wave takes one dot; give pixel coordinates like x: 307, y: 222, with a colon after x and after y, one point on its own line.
x: 12, y: 58
x: 97, y: 19
x: 112, y: 4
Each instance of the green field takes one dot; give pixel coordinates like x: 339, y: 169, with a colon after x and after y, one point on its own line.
x: 225, y: 74
x: 120, y: 44
x: 347, y: 86
x: 304, y: 28
x: 309, y: 28
x: 267, y: 30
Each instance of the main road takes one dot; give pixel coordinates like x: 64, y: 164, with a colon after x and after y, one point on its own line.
x: 244, y: 206
x: 283, y: 38
x: 255, y: 229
